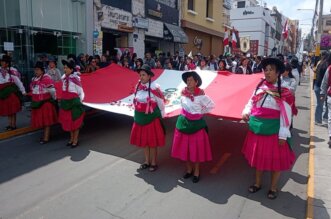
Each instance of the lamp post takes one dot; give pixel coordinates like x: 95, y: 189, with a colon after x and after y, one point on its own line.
x: 312, y: 26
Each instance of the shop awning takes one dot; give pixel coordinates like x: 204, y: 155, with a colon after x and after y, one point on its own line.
x: 174, y: 33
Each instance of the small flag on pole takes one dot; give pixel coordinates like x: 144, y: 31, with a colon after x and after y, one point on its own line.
x: 226, y: 37
x: 285, y: 30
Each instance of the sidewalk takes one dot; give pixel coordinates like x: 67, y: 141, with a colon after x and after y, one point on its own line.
x: 319, y: 169
x: 23, y: 121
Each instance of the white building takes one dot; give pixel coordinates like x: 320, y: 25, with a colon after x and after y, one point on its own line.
x: 255, y: 23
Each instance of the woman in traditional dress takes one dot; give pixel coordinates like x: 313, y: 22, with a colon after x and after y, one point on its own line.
x: 10, y: 89
x: 191, y: 141
x: 71, y: 113
x: 269, y: 112
x: 43, y: 104
x: 147, y: 130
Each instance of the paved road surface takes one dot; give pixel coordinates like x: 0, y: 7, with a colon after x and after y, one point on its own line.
x: 100, y: 179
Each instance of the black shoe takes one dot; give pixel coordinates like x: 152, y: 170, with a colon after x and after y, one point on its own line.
x: 74, y: 145
x: 195, y: 179
x: 187, y: 175
x: 10, y: 128
x: 69, y: 144
x: 43, y: 141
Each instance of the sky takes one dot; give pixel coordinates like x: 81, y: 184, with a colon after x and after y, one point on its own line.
x: 289, y: 9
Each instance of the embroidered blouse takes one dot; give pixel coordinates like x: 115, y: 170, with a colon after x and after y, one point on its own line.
x: 155, y: 94
x: 270, y: 102
x: 73, y: 84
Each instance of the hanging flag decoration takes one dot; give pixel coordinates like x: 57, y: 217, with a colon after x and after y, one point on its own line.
x: 226, y: 37
x: 285, y: 30
x: 234, y: 39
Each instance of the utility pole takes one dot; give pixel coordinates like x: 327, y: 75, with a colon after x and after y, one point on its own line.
x: 312, y: 27
x: 319, y: 30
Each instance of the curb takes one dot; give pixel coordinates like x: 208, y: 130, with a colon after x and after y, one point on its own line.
x: 25, y: 130
x: 311, y: 166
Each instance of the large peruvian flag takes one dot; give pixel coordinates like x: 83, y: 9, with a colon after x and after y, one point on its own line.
x: 111, y: 89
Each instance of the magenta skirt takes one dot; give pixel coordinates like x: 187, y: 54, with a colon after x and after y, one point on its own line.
x: 150, y: 135
x: 46, y: 115
x: 191, y: 147
x: 264, y: 153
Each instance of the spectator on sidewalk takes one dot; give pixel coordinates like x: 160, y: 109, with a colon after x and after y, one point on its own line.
x: 326, y: 93
x: 319, y: 73
x: 53, y: 71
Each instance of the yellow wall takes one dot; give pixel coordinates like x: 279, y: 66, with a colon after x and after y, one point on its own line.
x: 200, y: 18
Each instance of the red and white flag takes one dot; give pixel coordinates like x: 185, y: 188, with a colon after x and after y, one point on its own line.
x: 103, y: 90
x: 234, y: 39
x: 226, y: 37
x: 285, y: 31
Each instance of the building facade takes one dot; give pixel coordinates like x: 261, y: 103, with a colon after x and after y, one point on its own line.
x: 202, y: 21
x: 255, y: 24
x: 29, y: 29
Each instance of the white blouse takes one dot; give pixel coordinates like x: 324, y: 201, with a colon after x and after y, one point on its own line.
x: 270, y: 103
x: 73, y: 88
x: 12, y: 78
x: 142, y: 96
x: 201, y: 104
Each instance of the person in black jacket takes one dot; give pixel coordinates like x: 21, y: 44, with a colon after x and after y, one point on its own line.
x: 244, y: 68
x: 257, y: 67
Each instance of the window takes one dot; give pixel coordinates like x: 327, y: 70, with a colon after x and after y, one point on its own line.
x: 241, y: 4
x: 190, y: 5
x: 209, y: 9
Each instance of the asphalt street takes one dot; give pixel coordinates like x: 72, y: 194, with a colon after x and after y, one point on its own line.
x: 100, y: 179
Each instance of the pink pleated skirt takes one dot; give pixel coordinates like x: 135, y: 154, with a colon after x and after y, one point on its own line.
x: 264, y: 153
x: 150, y: 135
x: 10, y: 105
x: 67, y: 123
x: 46, y: 115
x: 191, y: 147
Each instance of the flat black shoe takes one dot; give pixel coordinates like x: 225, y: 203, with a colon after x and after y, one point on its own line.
x: 43, y: 142
x: 187, y: 175
x: 153, y: 168
x: 272, y: 194
x: 144, y: 166
x: 69, y: 144
x: 195, y: 179
x: 74, y: 145
x: 254, y: 188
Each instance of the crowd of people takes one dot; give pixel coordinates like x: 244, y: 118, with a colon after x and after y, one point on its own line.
x: 322, y: 85
x: 269, y: 111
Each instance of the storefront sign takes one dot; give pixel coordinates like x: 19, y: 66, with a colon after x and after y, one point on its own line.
x: 165, y: 10
x: 155, y: 28
x: 140, y: 22
x: 113, y: 17
x: 122, y: 4
x: 97, y: 44
x: 8, y: 46
x: 248, y: 12
x: 138, y: 8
